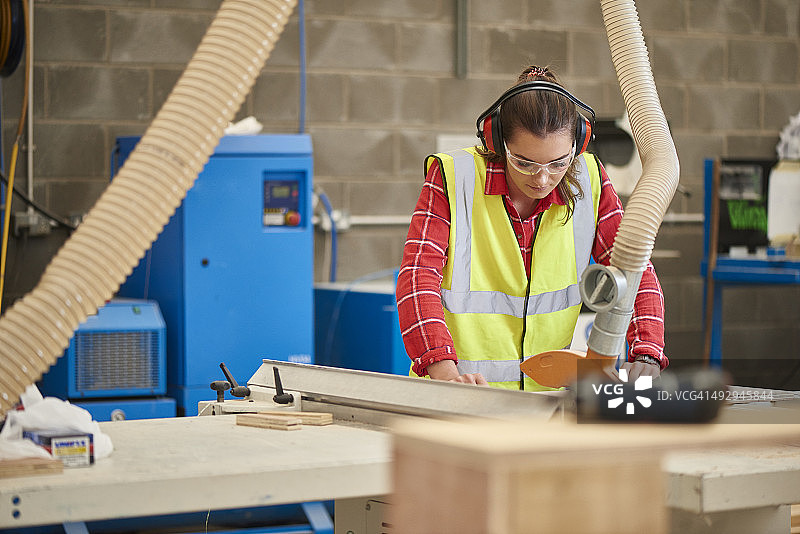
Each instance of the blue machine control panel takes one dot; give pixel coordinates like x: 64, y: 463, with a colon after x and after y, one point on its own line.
x: 282, y: 202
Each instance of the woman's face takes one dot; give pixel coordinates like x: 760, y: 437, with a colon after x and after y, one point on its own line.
x: 553, y: 152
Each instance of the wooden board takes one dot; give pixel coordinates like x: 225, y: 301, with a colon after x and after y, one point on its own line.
x: 30, y: 466
x: 308, y: 418
x: 276, y: 422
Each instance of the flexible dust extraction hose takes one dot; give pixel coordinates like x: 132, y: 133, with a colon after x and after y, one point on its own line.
x: 118, y: 230
x: 650, y: 199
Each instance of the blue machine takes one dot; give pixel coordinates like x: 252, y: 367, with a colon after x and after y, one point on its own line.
x: 115, y: 365
x: 357, y: 327
x: 233, y: 268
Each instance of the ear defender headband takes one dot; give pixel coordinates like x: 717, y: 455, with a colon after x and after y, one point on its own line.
x: 490, y: 131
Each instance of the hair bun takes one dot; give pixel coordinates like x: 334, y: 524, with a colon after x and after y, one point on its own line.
x: 535, y: 70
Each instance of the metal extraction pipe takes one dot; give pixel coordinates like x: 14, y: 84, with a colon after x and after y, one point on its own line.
x: 612, y: 291
x: 134, y: 208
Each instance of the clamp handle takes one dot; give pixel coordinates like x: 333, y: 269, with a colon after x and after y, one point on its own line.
x: 280, y: 397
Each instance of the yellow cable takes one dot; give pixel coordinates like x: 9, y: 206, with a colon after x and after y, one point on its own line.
x: 14, y: 154
x: 7, y: 218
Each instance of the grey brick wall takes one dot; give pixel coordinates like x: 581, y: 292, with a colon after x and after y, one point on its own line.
x: 381, y: 86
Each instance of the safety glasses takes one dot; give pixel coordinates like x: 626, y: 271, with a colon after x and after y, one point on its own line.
x: 526, y: 166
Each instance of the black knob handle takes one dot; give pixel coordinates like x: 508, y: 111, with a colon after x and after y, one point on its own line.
x: 220, y: 386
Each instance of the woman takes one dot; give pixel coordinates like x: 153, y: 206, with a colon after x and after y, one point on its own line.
x: 500, y: 234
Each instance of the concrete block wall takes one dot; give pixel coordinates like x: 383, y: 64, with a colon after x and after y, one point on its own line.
x: 381, y: 87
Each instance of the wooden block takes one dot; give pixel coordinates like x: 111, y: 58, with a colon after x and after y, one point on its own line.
x: 484, y: 496
x: 308, y: 418
x: 519, y: 476
x: 269, y: 421
x: 796, y: 519
x: 30, y: 466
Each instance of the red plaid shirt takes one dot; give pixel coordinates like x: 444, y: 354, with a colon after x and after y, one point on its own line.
x: 419, y: 303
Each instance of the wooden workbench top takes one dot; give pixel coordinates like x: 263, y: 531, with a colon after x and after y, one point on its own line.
x: 163, y: 466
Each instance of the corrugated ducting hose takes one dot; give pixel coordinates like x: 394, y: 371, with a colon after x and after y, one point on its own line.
x: 133, y: 210
x: 655, y: 188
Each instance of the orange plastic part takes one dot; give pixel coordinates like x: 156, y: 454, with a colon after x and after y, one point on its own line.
x: 559, y: 368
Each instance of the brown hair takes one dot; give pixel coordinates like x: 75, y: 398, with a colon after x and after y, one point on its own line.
x: 541, y: 113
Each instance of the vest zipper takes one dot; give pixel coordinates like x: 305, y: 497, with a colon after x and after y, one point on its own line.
x: 525, y: 306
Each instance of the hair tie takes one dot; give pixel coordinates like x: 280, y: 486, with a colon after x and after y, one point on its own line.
x: 537, y: 71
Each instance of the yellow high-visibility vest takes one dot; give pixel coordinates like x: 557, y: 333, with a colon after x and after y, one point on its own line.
x: 485, y: 290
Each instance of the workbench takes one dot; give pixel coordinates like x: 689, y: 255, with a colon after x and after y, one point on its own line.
x: 208, y: 463
x: 188, y: 464
x: 733, y: 490
x: 733, y: 272
x: 168, y: 466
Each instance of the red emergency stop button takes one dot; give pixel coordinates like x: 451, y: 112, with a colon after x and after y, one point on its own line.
x: 292, y: 218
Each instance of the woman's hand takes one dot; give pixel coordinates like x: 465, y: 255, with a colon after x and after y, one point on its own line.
x: 447, y: 370
x: 637, y: 369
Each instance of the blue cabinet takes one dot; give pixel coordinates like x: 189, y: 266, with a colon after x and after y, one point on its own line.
x: 233, y: 269
x: 357, y: 327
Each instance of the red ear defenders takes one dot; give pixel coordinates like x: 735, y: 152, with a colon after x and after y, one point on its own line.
x: 490, y: 131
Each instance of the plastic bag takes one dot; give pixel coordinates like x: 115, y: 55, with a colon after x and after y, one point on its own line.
x: 246, y: 126
x: 48, y: 413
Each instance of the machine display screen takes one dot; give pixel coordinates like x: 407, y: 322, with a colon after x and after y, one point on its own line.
x: 280, y: 191
x: 281, y: 202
